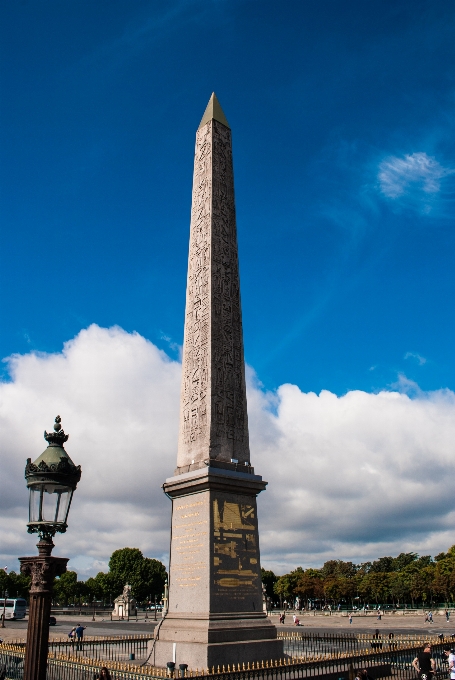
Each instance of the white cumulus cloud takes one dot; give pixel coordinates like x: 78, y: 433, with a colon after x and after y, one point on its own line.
x: 351, y: 477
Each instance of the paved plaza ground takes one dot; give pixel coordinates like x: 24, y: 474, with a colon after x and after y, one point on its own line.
x: 397, y: 623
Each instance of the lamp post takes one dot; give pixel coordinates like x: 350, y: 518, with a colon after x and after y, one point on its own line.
x: 5, y: 595
x: 94, y: 603
x: 51, y: 481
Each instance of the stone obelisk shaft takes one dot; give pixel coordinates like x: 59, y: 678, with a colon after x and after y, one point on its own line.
x: 213, y: 412
x: 215, y: 613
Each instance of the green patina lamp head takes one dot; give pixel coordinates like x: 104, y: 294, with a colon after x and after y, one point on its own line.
x: 51, y: 480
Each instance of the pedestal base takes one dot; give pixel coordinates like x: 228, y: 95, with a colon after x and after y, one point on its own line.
x: 216, y: 640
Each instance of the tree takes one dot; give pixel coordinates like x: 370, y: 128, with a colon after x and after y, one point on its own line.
x: 382, y: 565
x: 403, y: 560
x: 146, y: 576
x: 268, y: 579
x: 310, y: 585
x: 284, y: 587
x: 17, y: 585
x: 65, y: 587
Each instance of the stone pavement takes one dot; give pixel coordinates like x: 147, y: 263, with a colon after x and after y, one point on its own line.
x: 311, y: 624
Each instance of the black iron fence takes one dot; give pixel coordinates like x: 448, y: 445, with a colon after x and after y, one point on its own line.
x: 298, y: 644
x: 118, y: 648
x: 395, y: 662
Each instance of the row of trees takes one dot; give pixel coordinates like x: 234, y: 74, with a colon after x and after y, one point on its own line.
x: 146, y: 577
x: 407, y: 578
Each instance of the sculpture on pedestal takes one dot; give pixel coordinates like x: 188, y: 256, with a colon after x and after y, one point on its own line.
x: 124, y: 605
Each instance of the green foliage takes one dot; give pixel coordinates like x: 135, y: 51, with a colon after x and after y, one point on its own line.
x: 146, y: 576
x: 406, y: 578
x: 128, y: 565
x: 268, y: 579
x: 17, y: 585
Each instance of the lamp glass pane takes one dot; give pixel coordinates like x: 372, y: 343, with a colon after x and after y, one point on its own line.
x: 50, y: 500
x: 65, y: 500
x: 34, y: 514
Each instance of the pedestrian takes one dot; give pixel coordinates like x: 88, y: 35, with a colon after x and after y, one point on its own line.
x: 104, y: 674
x: 451, y: 660
x: 79, y: 635
x: 350, y: 619
x: 72, y: 634
x: 424, y: 663
x: 430, y: 617
x: 363, y: 675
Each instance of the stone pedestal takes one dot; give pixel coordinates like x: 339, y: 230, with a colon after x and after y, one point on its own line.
x: 215, y: 613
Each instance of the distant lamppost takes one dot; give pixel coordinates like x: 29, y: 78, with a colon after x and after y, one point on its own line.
x: 94, y: 603
x: 5, y: 595
x: 51, y: 481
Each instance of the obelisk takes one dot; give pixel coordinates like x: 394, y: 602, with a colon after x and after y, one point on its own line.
x: 215, y: 614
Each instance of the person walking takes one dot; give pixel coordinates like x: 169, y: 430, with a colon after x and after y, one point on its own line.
x: 363, y: 675
x: 424, y: 663
x: 350, y: 619
x: 451, y: 660
x: 447, y: 615
x: 79, y: 636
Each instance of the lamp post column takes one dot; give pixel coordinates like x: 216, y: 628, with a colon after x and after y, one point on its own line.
x: 5, y: 595
x: 42, y: 569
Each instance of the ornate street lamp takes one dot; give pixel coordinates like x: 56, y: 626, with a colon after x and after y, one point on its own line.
x: 51, y: 480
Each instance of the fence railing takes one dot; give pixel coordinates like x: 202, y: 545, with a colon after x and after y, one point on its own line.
x: 116, y: 648
x: 395, y: 661
x: 298, y: 644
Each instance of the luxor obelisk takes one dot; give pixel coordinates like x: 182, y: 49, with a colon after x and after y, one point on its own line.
x: 215, y: 613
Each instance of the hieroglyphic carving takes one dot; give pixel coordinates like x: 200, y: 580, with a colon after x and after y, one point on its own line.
x: 213, y: 413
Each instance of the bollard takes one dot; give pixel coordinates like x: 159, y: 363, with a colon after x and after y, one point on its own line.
x: 170, y: 668
x: 132, y: 656
x: 182, y: 669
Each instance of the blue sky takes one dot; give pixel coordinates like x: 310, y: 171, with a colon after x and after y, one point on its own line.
x: 343, y: 128
x: 346, y: 279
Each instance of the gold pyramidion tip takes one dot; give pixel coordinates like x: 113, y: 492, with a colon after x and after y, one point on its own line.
x: 213, y: 112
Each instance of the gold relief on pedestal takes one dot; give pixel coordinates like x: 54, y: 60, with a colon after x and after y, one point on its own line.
x: 235, y: 562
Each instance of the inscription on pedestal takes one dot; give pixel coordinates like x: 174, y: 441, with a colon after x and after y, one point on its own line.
x: 190, y: 551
